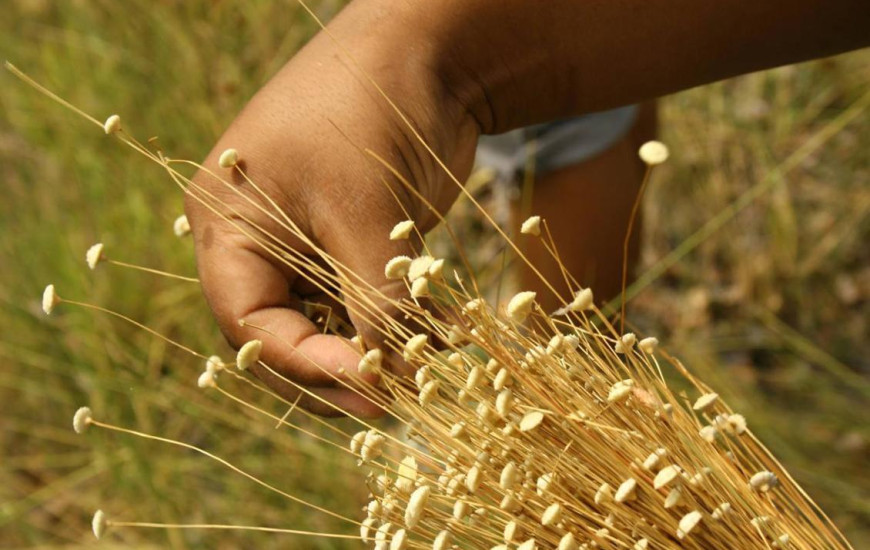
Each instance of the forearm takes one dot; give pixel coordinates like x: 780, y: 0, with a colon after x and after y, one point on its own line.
x: 517, y: 62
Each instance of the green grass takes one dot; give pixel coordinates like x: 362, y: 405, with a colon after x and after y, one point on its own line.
x: 772, y: 309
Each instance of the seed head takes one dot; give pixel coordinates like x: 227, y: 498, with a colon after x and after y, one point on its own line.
x: 721, y: 510
x: 111, y: 126
x: 397, y: 267
x: 620, y: 391
x: 528, y: 545
x: 653, y: 153
x: 531, y: 420
x: 737, y: 423
x: 49, y: 299
x: 419, y: 267
x: 356, y: 442
x: 627, y: 491
x: 442, y: 541
x: 99, y: 524
x: 687, y: 523
x: 228, y: 158
x: 709, y: 433
x: 674, y: 497
x: 472, y: 480
x: 509, y: 476
x: 181, y: 226
x: 420, y: 288
x: 372, y: 446
x: 504, y: 402
x: 400, y: 540
x: 206, y: 379
x: 502, y: 379
x: 520, y: 305
x: 705, y: 402
x: 512, y: 531
x: 475, y: 378
x: 365, y: 530
x: 82, y: 419
x: 624, y: 344
x: 94, y: 255
x: 214, y: 364
x: 371, y: 361
x: 648, y: 345
x: 429, y: 392
x: 642, y: 544
x: 416, y: 506
x: 249, y: 354
x: 422, y: 376
x: 603, y: 494
x: 531, y: 226
x: 436, y: 269
x: 414, y: 346
x: 568, y: 542
x: 402, y: 230
x: 666, y: 476
x: 552, y: 515
x: 763, y: 481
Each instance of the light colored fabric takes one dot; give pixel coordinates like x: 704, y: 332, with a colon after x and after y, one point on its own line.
x: 554, y: 144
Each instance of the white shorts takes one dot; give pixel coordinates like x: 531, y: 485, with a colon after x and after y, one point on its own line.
x: 554, y: 144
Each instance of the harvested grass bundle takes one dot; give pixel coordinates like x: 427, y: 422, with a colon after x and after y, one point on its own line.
x: 530, y: 429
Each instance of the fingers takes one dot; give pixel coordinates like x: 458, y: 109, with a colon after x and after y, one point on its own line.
x: 241, y: 282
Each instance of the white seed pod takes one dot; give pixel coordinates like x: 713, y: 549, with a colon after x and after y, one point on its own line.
x: 419, y: 267
x: 400, y: 540
x: 455, y: 335
x: 420, y: 288
x: 520, y: 306
x: 763, y: 481
x: 366, y: 529
x: 531, y: 420
x: 652, y: 461
x: 737, y: 423
x: 504, y: 402
x: 214, y: 364
x: 705, y: 402
x: 570, y: 342
x: 401, y: 230
x: 781, y: 541
x: 625, y: 343
x: 229, y: 158
x: 512, y: 531
x: 627, y: 491
x: 666, y: 476
x: 429, y: 392
x: 459, y: 430
x: 373, y: 446
x: 555, y: 344
x: 708, y: 433
x: 436, y: 269
x: 528, y: 545
x: 543, y: 484
x: 721, y: 511
x: 94, y: 255
x: 414, y: 346
x: 460, y: 509
x: 485, y: 413
x: 82, y: 419
x: 474, y: 305
x: 356, y: 442
x: 510, y: 504
x: 620, y: 391
x: 642, y: 544
x: 382, y: 534
x: 473, y: 479
x: 761, y: 522
x: 423, y: 375
x: 442, y: 540
x: 416, y: 506
x: 207, y: 379
x: 604, y: 494
x: 568, y: 542
x: 110, y: 126
x: 99, y: 524
x: 648, y: 346
x: 552, y: 515
x: 688, y: 523
x: 397, y: 267
x: 492, y: 366
x: 509, y: 476
x: 675, y: 496
x: 407, y: 475
x: 49, y: 299
x: 499, y: 547
x: 502, y: 379
x: 249, y: 354
x: 653, y: 152
x: 532, y: 226
x: 582, y: 301
x: 181, y: 226
x: 475, y: 378
x: 371, y: 362
x: 374, y: 508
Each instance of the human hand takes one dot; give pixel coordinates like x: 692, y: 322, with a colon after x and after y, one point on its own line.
x: 302, y: 140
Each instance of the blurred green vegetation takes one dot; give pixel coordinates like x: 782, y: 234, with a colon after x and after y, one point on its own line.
x: 772, y: 310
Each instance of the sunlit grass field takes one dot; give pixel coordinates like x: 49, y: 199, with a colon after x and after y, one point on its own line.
x: 772, y: 308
